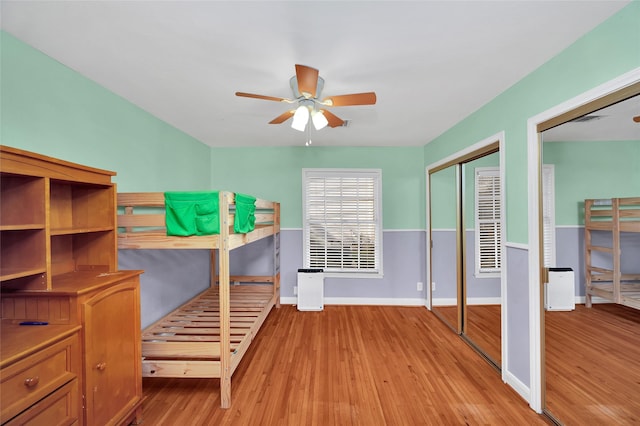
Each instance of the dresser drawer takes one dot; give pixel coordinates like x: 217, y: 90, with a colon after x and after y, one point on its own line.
x: 30, y: 379
x: 58, y: 409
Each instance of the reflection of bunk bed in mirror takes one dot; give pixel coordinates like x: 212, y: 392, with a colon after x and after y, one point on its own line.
x: 207, y: 336
x: 608, y: 225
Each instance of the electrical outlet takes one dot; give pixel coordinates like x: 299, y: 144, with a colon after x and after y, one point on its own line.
x: 295, y: 290
x: 419, y: 286
x: 433, y: 286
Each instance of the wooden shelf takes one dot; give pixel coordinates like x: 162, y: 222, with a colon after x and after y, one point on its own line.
x: 72, y: 231
x: 22, y: 227
x: 23, y: 253
x: 10, y: 274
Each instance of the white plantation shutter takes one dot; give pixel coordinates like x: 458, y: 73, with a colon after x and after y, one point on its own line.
x: 342, y: 220
x: 548, y: 216
x: 487, y: 235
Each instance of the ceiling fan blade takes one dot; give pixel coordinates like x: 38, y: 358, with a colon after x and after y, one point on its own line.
x: 283, y: 117
x: 307, y: 80
x: 636, y: 118
x: 334, y: 120
x: 267, y: 98
x: 368, y: 98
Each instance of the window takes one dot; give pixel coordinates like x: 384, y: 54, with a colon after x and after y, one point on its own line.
x: 487, y: 215
x: 548, y: 216
x: 342, y: 221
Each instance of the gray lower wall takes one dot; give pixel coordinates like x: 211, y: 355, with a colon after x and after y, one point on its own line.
x: 403, y: 267
x: 517, y: 262
x: 444, y: 269
x: 172, y: 277
x: 570, y: 252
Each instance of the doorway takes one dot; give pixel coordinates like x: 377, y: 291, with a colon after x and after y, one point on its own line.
x: 555, y: 389
x: 465, y: 223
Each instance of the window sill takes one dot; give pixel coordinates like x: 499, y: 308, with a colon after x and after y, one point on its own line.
x: 480, y: 275
x: 376, y: 275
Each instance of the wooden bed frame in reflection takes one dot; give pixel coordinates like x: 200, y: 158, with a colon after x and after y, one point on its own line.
x: 617, y: 217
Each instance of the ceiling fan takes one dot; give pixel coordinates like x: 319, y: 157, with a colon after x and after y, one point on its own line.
x: 307, y: 87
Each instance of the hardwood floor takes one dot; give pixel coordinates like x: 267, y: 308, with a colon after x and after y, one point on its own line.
x: 347, y: 365
x: 592, y: 362
x: 593, y: 365
x: 483, y: 327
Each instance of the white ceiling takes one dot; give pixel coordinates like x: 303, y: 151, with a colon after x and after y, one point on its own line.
x: 613, y: 123
x: 431, y: 63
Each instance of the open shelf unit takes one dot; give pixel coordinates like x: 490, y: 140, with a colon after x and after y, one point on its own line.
x: 53, y: 221
x: 59, y: 265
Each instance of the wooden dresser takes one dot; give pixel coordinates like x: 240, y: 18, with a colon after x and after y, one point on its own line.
x: 59, y: 266
x: 41, y: 374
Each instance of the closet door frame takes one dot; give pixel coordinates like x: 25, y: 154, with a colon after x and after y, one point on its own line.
x: 613, y: 91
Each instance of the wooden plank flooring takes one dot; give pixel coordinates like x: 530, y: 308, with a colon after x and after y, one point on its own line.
x: 592, y: 361
x: 593, y: 365
x: 347, y: 365
x: 483, y: 327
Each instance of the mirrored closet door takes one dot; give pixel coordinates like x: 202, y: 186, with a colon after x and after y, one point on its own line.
x: 445, y: 276
x: 465, y: 225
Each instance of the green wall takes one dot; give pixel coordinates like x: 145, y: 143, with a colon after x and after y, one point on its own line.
x: 443, y: 198
x: 584, y: 170
x: 443, y: 193
x: 276, y: 174
x: 48, y: 108
x: 610, y: 50
x: 51, y: 109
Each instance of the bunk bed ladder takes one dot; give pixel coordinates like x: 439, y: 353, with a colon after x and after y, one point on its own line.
x: 595, y: 273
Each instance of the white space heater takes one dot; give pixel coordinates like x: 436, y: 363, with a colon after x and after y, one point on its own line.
x: 560, y: 290
x: 310, y: 290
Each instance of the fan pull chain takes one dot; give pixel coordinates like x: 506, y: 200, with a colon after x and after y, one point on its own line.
x: 308, y: 134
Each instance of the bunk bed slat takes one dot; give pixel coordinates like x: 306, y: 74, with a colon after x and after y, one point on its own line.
x: 129, y: 220
x: 173, y: 368
x: 208, y: 350
x: 146, y: 199
x: 601, y: 249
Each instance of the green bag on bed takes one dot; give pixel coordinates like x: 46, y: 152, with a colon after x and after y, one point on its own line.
x: 245, y: 219
x: 192, y: 213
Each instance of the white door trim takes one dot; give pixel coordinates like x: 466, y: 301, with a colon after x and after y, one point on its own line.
x: 534, y: 153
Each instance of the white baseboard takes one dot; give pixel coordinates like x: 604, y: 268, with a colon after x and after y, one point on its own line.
x: 497, y: 300
x: 361, y: 301
x: 522, y: 389
x: 471, y: 301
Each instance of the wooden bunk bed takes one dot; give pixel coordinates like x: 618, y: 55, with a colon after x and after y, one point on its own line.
x: 616, y: 217
x: 208, y: 336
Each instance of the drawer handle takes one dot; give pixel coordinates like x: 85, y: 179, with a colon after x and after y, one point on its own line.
x: 32, y: 382
x: 101, y: 366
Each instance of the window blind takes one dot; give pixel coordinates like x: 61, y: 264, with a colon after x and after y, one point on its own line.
x: 488, y: 238
x: 342, y: 223
x: 548, y: 216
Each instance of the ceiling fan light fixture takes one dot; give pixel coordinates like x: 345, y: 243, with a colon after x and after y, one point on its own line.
x: 319, y: 120
x: 300, y: 118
